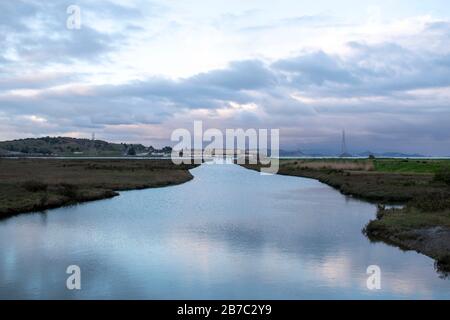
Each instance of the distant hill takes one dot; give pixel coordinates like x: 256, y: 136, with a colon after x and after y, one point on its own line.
x: 64, y: 146
x: 391, y: 155
x: 298, y: 153
x: 288, y: 153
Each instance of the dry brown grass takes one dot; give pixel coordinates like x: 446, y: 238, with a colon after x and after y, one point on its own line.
x: 365, y: 165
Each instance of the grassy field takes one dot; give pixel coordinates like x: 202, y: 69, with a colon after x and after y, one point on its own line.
x: 423, y: 186
x: 410, y: 165
x: 379, y: 180
x: 36, y: 184
x: 427, y: 166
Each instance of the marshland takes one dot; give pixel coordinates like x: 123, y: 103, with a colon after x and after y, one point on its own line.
x: 419, y: 186
x: 244, y: 234
x: 28, y: 185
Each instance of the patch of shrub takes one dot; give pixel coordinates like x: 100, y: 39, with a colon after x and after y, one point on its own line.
x: 131, y: 152
x: 44, y: 199
x: 68, y: 190
x: 381, y: 213
x: 34, y: 186
x: 443, y: 175
x: 443, y: 265
x: 431, y: 203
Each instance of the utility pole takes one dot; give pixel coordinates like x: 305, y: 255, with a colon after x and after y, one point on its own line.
x: 92, y: 152
x: 344, y: 152
x: 344, y: 144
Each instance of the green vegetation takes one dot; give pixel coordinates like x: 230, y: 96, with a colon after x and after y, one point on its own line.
x: 28, y: 185
x: 34, y: 186
x: 428, y: 166
x: 131, y: 151
x: 410, y: 165
x: 443, y: 175
x: 397, y: 221
x: 361, y: 178
x: 413, y: 228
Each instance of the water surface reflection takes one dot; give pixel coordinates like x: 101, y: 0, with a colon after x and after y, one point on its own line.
x: 229, y: 233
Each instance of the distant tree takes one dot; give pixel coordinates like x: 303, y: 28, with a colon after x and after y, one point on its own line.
x: 131, y: 151
x: 372, y: 157
x: 42, y: 151
x: 167, y: 149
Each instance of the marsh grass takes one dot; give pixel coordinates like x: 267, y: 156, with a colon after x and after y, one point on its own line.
x: 431, y: 203
x: 34, y: 186
x: 37, y: 184
x: 68, y: 190
x: 425, y: 166
x: 337, y: 165
x: 443, y: 175
x: 413, y: 166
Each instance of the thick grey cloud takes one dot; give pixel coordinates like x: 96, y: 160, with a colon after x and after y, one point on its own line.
x: 33, y: 81
x: 242, y: 75
x: 393, y: 118
x: 316, y: 69
x: 382, y: 69
x: 149, y: 101
x: 73, y: 45
x: 385, y: 94
x: 35, y: 32
x: 208, y: 90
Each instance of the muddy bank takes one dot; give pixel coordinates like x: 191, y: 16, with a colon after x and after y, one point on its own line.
x: 411, y: 229
x: 433, y: 242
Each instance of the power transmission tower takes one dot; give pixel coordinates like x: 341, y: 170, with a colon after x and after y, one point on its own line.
x: 344, y: 152
x: 344, y: 144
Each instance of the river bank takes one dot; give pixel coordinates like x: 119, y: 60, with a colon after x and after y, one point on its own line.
x: 421, y: 224
x: 29, y: 185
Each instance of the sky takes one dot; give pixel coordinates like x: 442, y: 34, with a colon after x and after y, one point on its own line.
x: 136, y: 70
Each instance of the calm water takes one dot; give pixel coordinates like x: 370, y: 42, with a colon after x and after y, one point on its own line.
x: 229, y: 233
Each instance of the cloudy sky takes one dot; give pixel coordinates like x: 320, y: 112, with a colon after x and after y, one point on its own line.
x: 137, y: 70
